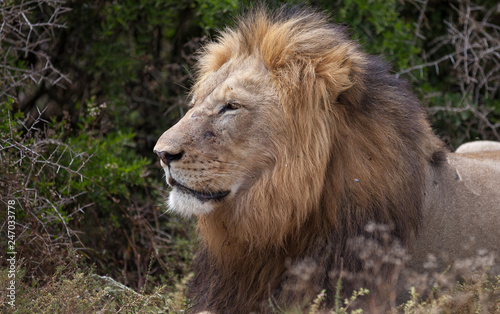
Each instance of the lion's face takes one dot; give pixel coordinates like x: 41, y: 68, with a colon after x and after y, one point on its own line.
x: 222, y: 145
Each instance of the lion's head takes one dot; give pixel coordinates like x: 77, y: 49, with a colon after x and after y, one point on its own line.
x: 293, y: 135
x: 221, y: 147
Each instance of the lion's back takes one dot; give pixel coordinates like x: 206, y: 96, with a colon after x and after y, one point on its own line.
x: 478, y: 146
x: 462, y: 212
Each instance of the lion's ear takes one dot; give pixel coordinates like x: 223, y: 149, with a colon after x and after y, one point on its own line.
x: 353, y: 95
x: 342, y: 69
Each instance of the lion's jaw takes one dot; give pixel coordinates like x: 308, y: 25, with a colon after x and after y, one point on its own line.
x: 210, y: 158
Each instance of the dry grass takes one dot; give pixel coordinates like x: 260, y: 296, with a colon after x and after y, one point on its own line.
x: 76, y: 290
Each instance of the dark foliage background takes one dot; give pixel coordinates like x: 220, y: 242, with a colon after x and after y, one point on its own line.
x: 87, y: 87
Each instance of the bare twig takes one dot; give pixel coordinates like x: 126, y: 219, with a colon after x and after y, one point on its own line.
x: 474, y: 60
x: 428, y: 64
x: 421, y: 17
x: 27, y: 29
x: 23, y: 159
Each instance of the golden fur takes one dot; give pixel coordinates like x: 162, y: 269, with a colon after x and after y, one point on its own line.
x: 295, y: 140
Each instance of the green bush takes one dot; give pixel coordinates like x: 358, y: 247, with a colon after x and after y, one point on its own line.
x: 380, y: 28
x: 85, y: 189
x: 56, y: 178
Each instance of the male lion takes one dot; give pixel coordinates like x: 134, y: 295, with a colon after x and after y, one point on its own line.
x: 295, y: 140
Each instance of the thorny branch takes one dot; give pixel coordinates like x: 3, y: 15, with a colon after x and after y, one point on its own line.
x: 475, y: 60
x: 26, y: 32
x: 28, y: 154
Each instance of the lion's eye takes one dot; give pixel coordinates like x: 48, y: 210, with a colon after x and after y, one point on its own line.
x: 229, y: 106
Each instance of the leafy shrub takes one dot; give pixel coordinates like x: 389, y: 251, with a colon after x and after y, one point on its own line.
x: 79, y: 188
x: 33, y: 174
x: 380, y: 28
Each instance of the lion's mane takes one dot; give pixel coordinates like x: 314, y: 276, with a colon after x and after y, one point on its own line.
x: 356, y: 150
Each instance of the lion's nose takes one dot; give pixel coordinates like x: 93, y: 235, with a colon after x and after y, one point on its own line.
x: 167, y: 157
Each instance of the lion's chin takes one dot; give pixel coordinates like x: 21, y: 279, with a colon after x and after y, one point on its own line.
x: 201, y: 196
x: 188, y: 205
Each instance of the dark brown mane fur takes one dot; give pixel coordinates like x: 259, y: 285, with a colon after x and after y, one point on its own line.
x: 359, y: 144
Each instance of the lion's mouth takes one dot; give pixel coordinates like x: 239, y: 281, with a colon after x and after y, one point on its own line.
x: 202, y: 196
